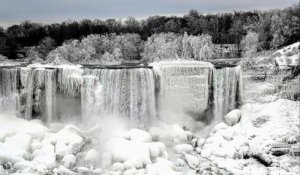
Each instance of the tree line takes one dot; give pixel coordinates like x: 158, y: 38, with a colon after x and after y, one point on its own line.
x: 272, y: 29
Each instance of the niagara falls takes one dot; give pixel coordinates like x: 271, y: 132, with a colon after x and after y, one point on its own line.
x: 177, y: 88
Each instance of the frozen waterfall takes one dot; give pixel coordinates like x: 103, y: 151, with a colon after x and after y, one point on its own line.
x: 127, y: 92
x: 184, y: 87
x: 9, y: 100
x: 227, y: 83
x: 140, y: 94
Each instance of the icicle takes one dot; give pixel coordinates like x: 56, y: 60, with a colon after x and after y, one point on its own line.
x: 183, y: 86
x: 70, y: 80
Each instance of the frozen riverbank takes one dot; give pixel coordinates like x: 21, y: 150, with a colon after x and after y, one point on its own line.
x: 29, y: 147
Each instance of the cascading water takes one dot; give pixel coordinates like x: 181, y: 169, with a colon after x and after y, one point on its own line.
x: 50, y: 94
x: 227, y: 85
x: 9, y: 100
x: 70, y: 80
x: 91, y: 97
x: 33, y: 92
x: 188, y: 87
x: 127, y: 92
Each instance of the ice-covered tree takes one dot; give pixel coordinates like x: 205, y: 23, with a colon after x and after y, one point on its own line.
x: 202, y: 46
x: 250, y: 44
x: 45, y: 46
x: 186, y: 48
x: 162, y: 46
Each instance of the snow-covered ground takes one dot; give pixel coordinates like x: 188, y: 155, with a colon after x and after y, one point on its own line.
x: 288, y: 56
x: 242, y: 146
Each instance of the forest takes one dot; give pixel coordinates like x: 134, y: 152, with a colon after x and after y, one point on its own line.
x: 133, y: 39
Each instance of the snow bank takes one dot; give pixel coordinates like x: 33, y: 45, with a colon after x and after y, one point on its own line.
x: 161, y: 167
x: 133, y: 154
x: 288, y: 56
x: 260, y: 127
x: 10, y: 125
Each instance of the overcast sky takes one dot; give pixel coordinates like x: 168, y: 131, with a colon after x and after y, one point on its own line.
x: 47, y: 11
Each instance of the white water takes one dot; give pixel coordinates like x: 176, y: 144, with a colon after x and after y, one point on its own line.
x: 91, y: 97
x: 50, y: 94
x: 127, y: 92
x: 227, y: 86
x: 8, y: 91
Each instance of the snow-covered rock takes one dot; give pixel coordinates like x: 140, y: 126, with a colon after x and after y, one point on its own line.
x: 192, y: 160
x: 2, y: 171
x: 220, y: 126
x: 69, y: 161
x: 139, y: 135
x: 97, y: 171
x: 45, y: 155
x: 35, y: 144
x: 83, y: 170
x: 288, y: 56
x: 66, y: 141
x: 118, y: 166
x: 106, y: 159
x: 63, y: 170
x: 23, y: 164
x: 15, y: 148
x: 10, y: 125
x: 156, y: 149
x: 228, y: 133
x: 180, y: 162
x: 134, y: 154
x: 169, y: 134
x: 92, y: 156
x: 161, y: 167
x: 183, y: 148
x: 233, y: 117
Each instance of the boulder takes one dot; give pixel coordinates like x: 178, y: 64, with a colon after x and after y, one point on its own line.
x: 106, y: 159
x: 161, y: 167
x: 69, y: 161
x: 156, y: 149
x: 139, y: 135
x: 265, y: 159
x: 92, y: 156
x: 45, y: 155
x: 2, y: 171
x: 193, y: 161
x: 118, y: 167
x: 183, y: 148
x: 220, y: 126
x: 63, y: 170
x: 36, y: 145
x: 83, y: 170
x: 97, y: 171
x: 233, y: 117
x: 180, y: 162
x: 228, y: 134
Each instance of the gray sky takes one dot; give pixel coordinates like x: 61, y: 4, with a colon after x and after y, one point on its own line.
x: 47, y: 11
